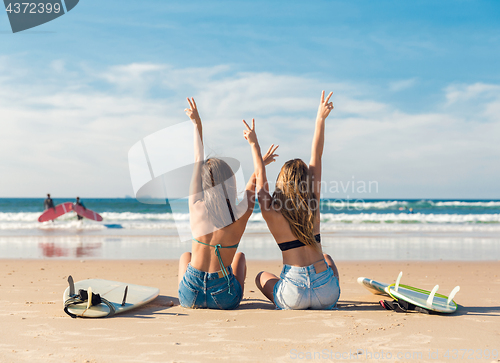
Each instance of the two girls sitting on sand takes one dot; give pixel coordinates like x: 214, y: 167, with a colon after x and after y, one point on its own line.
x: 213, y: 274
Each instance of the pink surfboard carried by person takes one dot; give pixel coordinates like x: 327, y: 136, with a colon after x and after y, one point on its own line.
x: 52, y: 212
x: 82, y: 211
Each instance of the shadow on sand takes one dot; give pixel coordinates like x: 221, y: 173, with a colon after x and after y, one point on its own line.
x: 461, y: 310
x: 154, y: 308
x: 478, y: 310
x: 162, y: 303
x: 254, y: 304
x: 358, y: 305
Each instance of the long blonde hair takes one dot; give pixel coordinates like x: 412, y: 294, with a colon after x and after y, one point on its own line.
x: 294, y: 197
x: 219, y: 191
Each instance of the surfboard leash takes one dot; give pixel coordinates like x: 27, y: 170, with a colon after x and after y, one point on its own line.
x: 82, y: 297
x: 401, y: 306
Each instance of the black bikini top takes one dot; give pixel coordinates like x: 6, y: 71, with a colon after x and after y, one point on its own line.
x: 285, y: 246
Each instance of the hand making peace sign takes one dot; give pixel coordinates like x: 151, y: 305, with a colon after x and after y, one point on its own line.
x: 324, y: 106
x: 192, y: 111
x: 249, y: 134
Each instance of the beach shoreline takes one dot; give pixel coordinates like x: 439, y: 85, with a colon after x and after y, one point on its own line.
x: 35, y: 328
x: 346, y: 246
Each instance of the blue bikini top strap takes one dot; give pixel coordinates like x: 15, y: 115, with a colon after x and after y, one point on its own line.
x: 206, y: 244
x: 225, y: 273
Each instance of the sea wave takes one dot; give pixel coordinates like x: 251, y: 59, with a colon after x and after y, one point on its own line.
x: 400, y: 218
x: 74, y: 225
x: 409, y: 218
x: 107, y: 216
x: 491, y: 204
x: 360, y: 204
x: 143, y: 221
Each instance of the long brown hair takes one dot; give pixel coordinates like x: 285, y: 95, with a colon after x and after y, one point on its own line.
x: 295, y: 199
x: 219, y: 191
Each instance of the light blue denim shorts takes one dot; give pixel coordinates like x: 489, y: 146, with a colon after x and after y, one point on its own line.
x: 302, y: 288
x: 199, y: 289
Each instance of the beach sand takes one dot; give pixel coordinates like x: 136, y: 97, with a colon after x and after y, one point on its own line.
x: 34, y: 327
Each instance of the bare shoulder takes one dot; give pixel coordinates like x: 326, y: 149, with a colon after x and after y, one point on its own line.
x: 198, y: 211
x: 279, y: 227
x: 197, y: 206
x: 275, y: 221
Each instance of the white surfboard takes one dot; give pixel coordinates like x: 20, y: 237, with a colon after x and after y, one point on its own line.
x: 121, y: 296
x: 429, y: 300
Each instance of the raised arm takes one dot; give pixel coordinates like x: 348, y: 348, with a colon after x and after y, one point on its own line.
x: 259, y: 165
x: 196, y: 190
x: 319, y: 141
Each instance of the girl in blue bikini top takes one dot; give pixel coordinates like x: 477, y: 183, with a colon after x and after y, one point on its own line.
x: 217, y: 224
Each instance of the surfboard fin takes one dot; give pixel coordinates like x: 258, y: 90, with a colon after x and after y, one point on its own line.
x: 452, y: 294
x: 125, y: 296
x: 71, y: 286
x: 89, y: 299
x: 396, y: 287
x: 430, y: 299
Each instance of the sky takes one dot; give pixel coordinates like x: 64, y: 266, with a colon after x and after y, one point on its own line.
x: 416, y: 92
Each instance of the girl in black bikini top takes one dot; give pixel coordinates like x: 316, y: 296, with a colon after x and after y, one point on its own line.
x: 285, y: 246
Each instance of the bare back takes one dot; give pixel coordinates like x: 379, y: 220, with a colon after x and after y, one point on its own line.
x: 204, y: 257
x: 280, y: 229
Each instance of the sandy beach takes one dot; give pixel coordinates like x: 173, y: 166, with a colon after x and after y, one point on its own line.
x: 35, y: 329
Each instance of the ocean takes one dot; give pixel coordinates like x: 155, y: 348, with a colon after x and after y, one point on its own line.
x: 409, y: 229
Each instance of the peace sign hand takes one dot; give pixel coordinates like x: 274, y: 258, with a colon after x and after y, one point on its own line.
x: 249, y: 134
x: 324, y: 106
x: 192, y: 111
x: 270, y: 155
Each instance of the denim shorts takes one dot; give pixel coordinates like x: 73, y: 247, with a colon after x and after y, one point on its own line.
x: 199, y: 289
x: 303, y: 288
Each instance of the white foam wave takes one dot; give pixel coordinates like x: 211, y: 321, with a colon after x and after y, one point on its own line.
x: 25, y: 217
x: 87, y: 225
x: 418, y: 218
x: 107, y: 216
x: 360, y: 204
x: 410, y: 218
x: 128, y: 216
x: 29, y: 221
x: 467, y: 204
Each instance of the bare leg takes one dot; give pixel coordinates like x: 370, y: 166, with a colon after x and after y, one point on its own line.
x: 239, y: 267
x: 330, y: 263
x: 265, y: 281
x: 183, y: 264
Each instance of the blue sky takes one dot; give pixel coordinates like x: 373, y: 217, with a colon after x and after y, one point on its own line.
x: 417, y: 91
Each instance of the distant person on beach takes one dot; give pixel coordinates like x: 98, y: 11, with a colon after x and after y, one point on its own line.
x: 309, y: 278
x: 48, y: 203
x: 80, y: 203
x: 213, y: 274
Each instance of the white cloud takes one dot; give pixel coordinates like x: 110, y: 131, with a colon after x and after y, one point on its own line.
x: 478, y: 101
x: 70, y: 134
x: 467, y: 92
x: 133, y: 77
x: 402, y: 84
